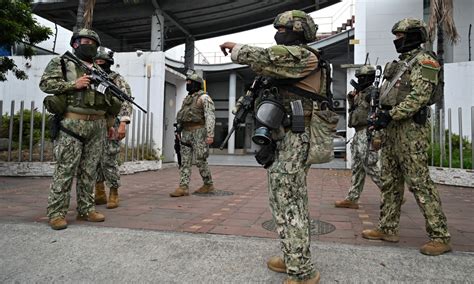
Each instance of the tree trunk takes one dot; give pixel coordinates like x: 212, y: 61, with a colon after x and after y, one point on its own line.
x: 80, y: 16
x: 439, y: 106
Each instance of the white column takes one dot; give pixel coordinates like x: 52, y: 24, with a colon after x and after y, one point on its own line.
x: 232, y: 92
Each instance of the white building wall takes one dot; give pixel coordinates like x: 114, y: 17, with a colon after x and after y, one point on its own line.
x: 463, y: 16
x: 129, y: 65
x: 373, y: 24
x: 459, y: 92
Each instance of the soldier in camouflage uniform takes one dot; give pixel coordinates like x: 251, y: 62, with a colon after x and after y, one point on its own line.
x: 364, y: 161
x: 291, y: 58
x: 108, y: 169
x: 405, y: 96
x: 197, y: 119
x: 80, y: 141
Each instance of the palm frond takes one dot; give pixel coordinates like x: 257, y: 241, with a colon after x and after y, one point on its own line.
x: 88, y: 13
x: 441, y: 14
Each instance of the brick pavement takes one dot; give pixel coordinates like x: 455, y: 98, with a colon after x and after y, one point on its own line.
x: 145, y: 204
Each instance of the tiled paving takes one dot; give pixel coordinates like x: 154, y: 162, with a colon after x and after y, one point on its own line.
x: 145, y: 204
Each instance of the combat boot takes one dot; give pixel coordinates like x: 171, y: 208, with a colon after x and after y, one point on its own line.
x: 346, y: 204
x: 58, y: 223
x: 92, y: 216
x: 113, y: 199
x: 276, y: 264
x: 180, y: 191
x: 205, y: 188
x: 100, y: 195
x: 378, y: 235
x: 314, y: 280
x: 435, y: 248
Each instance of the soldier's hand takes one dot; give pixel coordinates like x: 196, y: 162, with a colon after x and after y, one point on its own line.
x: 121, y: 130
x: 227, y: 46
x: 83, y: 82
x: 111, y: 135
x: 209, y: 140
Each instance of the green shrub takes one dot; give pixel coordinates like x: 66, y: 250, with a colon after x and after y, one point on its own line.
x: 5, y: 125
x: 455, y: 160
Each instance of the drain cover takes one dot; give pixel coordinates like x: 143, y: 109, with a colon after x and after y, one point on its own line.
x: 317, y: 227
x: 215, y: 193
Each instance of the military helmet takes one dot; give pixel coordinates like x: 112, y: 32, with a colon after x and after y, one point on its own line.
x: 365, y: 71
x: 411, y: 25
x: 87, y: 34
x: 193, y: 76
x: 105, y: 54
x: 298, y: 21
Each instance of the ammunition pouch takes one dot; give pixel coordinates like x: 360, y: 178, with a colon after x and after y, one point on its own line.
x: 297, y: 117
x: 266, y: 155
x: 115, y: 106
x: 55, y: 104
x: 421, y: 116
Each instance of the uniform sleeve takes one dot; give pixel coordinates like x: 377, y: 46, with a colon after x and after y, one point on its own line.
x: 209, y: 114
x: 277, y: 61
x: 421, y: 90
x: 125, y: 113
x: 52, y: 81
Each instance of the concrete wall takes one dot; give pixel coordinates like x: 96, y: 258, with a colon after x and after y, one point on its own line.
x: 459, y: 92
x: 132, y: 67
x: 374, y: 22
x: 463, y: 16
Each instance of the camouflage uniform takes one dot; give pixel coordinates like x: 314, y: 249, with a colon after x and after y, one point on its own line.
x: 198, y: 120
x: 364, y: 161
x: 287, y: 175
x: 405, y: 146
x: 108, y: 169
x: 74, y: 157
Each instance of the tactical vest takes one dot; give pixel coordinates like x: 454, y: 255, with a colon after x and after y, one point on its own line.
x: 316, y: 83
x: 403, y: 86
x: 86, y: 101
x: 191, y: 110
x: 360, y: 110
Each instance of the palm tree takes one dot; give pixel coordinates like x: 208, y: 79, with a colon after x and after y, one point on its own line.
x: 441, y: 21
x: 84, y: 17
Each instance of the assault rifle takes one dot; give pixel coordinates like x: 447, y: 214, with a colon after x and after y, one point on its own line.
x: 245, y: 105
x: 101, y: 80
x: 374, y: 107
x: 177, y: 141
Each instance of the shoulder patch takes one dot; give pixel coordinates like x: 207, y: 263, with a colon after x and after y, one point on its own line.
x: 430, y: 72
x: 430, y: 62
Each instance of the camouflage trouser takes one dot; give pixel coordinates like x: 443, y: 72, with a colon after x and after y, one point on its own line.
x: 108, y: 168
x: 289, y: 203
x: 405, y: 158
x: 75, y: 158
x: 197, y: 139
x: 363, y: 162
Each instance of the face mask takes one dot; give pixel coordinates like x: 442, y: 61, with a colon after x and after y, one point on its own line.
x: 105, y: 67
x: 193, y: 87
x: 409, y: 42
x: 86, y: 52
x: 289, y: 38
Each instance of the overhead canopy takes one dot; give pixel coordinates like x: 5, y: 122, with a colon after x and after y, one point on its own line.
x: 125, y: 25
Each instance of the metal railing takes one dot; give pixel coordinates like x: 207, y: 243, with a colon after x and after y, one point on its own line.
x: 450, y: 153
x: 26, y: 139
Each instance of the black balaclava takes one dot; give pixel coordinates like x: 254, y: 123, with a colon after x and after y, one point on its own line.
x: 193, y: 86
x: 86, y: 52
x: 365, y: 80
x: 408, y: 42
x: 289, y: 37
x: 106, y: 66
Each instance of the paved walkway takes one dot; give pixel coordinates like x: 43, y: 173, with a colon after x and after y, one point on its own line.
x: 145, y: 204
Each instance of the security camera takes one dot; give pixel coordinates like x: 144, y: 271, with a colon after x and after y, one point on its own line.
x: 139, y: 52
x: 28, y: 64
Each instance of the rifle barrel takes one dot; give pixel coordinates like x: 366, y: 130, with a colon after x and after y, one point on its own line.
x: 227, y: 137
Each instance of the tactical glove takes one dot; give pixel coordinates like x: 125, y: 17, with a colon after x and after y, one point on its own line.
x: 382, y: 119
